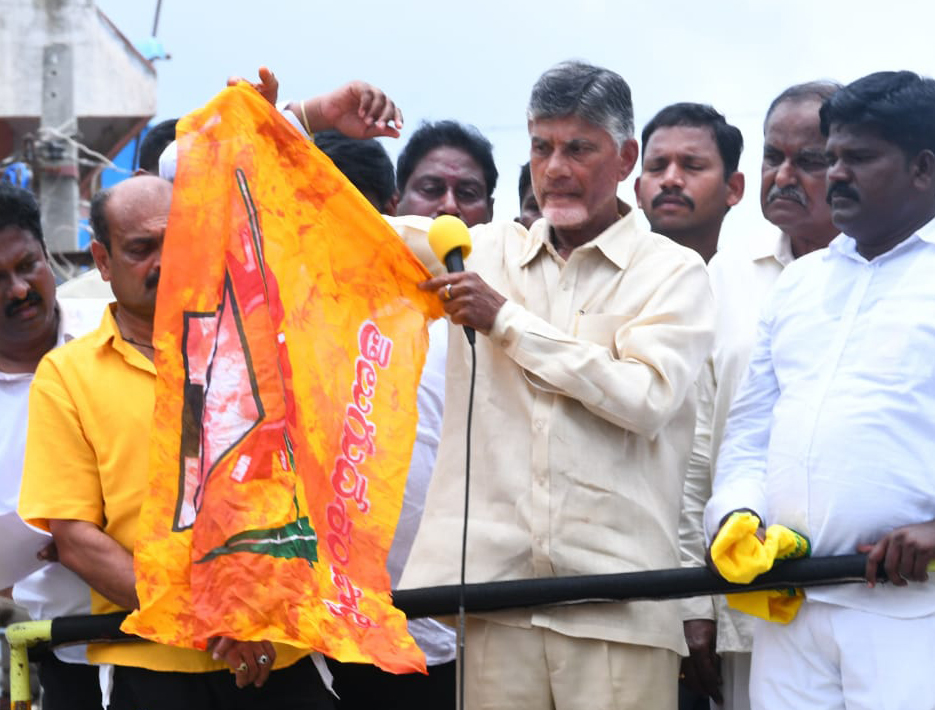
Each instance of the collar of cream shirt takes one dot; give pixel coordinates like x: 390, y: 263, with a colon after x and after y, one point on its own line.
x: 612, y: 241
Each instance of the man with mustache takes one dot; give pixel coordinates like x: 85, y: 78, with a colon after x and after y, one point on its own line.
x: 31, y: 324
x: 689, y: 182
x: 95, y: 398
x: 792, y: 192
x: 689, y: 178
x: 831, y: 432
x: 792, y: 197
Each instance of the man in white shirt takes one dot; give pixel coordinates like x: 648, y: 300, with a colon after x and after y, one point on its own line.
x: 792, y: 197
x: 31, y: 324
x: 831, y: 430
x: 590, y: 334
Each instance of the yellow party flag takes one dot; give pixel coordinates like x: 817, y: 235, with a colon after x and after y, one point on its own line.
x: 290, y: 338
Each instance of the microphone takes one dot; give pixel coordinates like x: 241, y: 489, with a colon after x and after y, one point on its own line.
x: 451, y: 242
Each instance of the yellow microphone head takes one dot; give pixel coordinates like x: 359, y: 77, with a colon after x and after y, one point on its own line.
x: 446, y: 233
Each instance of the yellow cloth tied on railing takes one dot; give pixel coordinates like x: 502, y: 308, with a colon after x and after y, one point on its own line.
x: 779, y: 605
x: 741, y: 556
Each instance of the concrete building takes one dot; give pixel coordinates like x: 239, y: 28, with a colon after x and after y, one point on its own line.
x: 71, y: 86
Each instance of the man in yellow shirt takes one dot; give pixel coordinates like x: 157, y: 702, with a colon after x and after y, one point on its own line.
x: 85, y: 474
x: 86, y: 468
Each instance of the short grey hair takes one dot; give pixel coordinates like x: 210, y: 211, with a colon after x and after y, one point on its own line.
x: 576, y: 88
x: 819, y: 91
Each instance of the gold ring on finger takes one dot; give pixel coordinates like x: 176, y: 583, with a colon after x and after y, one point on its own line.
x: 447, y: 292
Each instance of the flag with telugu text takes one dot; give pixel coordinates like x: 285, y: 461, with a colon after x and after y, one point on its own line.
x: 290, y: 338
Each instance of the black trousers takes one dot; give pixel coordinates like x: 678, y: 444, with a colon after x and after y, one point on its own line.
x: 68, y: 686
x: 363, y: 687
x: 690, y: 700
x: 298, y: 687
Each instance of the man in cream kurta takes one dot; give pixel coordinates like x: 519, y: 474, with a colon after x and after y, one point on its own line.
x: 583, y: 419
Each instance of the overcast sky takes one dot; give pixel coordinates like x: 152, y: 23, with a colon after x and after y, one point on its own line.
x: 476, y: 60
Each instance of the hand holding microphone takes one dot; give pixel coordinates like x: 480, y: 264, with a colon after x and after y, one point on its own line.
x: 467, y: 299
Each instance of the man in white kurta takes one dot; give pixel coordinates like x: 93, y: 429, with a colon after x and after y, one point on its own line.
x: 831, y: 430
x: 32, y: 322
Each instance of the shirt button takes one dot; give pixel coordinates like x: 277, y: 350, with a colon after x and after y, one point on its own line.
x: 539, y: 424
